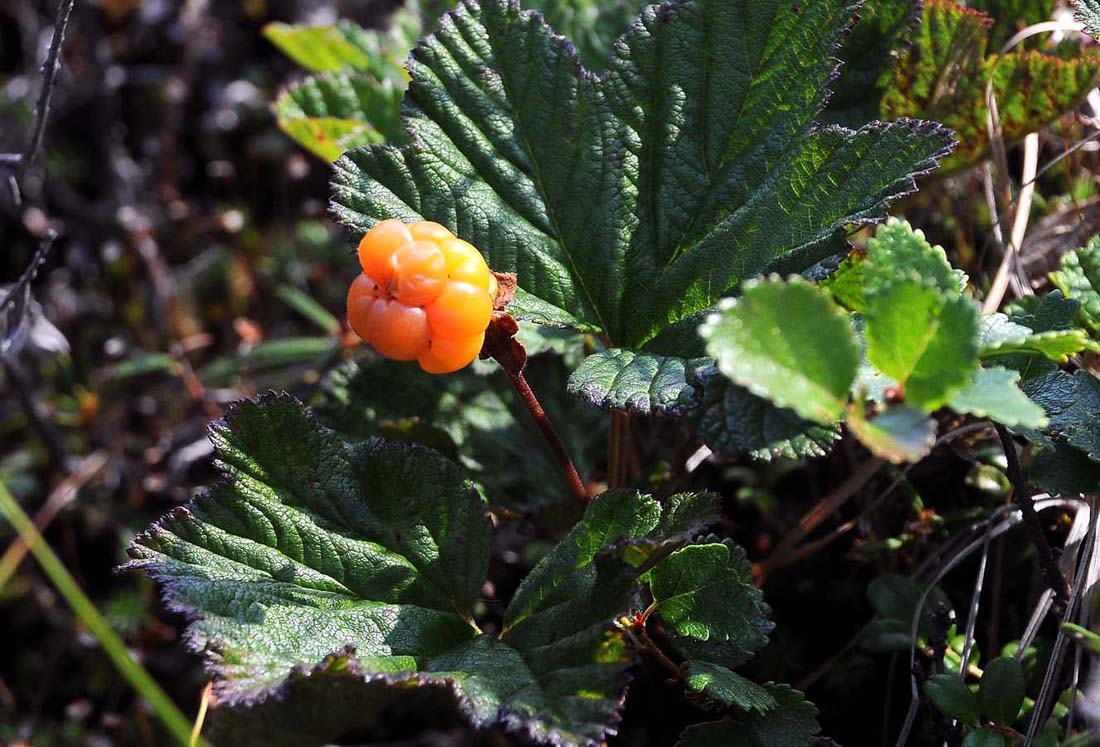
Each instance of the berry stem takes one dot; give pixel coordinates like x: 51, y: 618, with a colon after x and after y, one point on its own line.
x: 531, y: 402
x: 618, y: 452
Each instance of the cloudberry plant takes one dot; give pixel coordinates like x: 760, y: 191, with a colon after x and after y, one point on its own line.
x: 424, y: 295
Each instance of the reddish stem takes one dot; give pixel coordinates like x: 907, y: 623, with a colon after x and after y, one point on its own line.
x: 576, y: 486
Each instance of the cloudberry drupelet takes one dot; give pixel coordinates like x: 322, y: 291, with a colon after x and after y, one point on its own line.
x: 424, y: 295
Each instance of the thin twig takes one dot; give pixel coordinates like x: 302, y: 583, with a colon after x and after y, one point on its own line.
x: 641, y: 640
x: 1021, y: 496
x: 531, y: 402
x: 50, y: 69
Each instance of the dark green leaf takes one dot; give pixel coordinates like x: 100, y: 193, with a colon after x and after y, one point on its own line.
x: 320, y: 567
x: 789, y: 343
x: 792, y: 723
x: 1001, y: 690
x: 733, y: 421
x: 705, y: 595
x: 579, y: 185
x: 727, y: 687
x: 1088, y: 14
x: 636, y: 381
x: 1060, y: 469
x: 1000, y: 336
x: 952, y: 697
x: 983, y: 738
x: 1072, y: 404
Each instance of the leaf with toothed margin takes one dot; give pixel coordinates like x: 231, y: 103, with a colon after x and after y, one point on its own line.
x: 319, y: 565
x: 1072, y: 405
x: 994, y: 393
x: 791, y: 723
x: 726, y: 687
x: 900, y: 433
x: 635, y: 381
x: 631, y: 201
x: 789, y: 343
x: 1087, y: 13
x: 704, y: 594
x: 1079, y: 279
x: 1002, y: 336
x: 733, y: 421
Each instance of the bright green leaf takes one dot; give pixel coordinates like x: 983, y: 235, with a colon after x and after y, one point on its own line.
x: 922, y: 338
x: 898, y: 250
x: 789, y: 343
x: 324, y: 48
x: 1001, y: 690
x: 635, y: 381
x: 952, y: 697
x: 620, y: 208
x: 1079, y: 279
x: 727, y: 687
x: 733, y: 421
x: 994, y: 393
x: 846, y: 282
x: 1002, y: 336
x: 899, y: 434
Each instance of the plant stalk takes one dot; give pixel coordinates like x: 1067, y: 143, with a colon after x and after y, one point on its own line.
x: 178, y: 726
x: 531, y: 402
x: 1021, y: 496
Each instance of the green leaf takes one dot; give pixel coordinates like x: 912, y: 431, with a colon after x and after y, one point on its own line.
x: 1079, y: 279
x: 924, y: 339
x: 727, y: 687
x: 789, y: 343
x: 333, y: 112
x: 900, y: 433
x: 792, y: 723
x: 705, y: 596
x: 898, y: 250
x: 1072, y: 404
x: 984, y: 738
x: 324, y: 48
x: 635, y: 381
x: 591, y: 25
x: 733, y: 421
x: 476, y: 419
x: 1001, y: 336
x: 1088, y: 14
x: 994, y: 394
x: 846, y: 282
x: 1060, y: 469
x: 1046, y: 313
x: 868, y: 53
x: 943, y: 76
x: 1001, y: 690
x: 321, y: 569
x: 952, y: 697
x: 623, y: 210
x: 270, y: 355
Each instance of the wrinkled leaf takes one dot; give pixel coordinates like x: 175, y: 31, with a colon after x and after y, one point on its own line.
x: 727, y: 687
x: 705, y: 596
x: 1079, y: 279
x: 623, y: 210
x: 789, y: 343
x: 1072, y: 404
x: 1002, y: 336
x: 733, y: 421
x: 635, y: 381
x: 943, y: 76
x: 792, y: 723
x: 1088, y: 14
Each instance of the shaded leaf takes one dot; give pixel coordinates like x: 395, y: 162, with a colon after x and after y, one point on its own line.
x: 733, y: 421
x: 900, y: 433
x: 577, y: 183
x: 1001, y: 690
x: 952, y: 697
x: 727, y: 687
x: 635, y: 381
x: 1061, y: 469
x: 792, y: 723
x: 994, y: 394
x: 1072, y: 404
x: 983, y: 738
x: 789, y: 343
